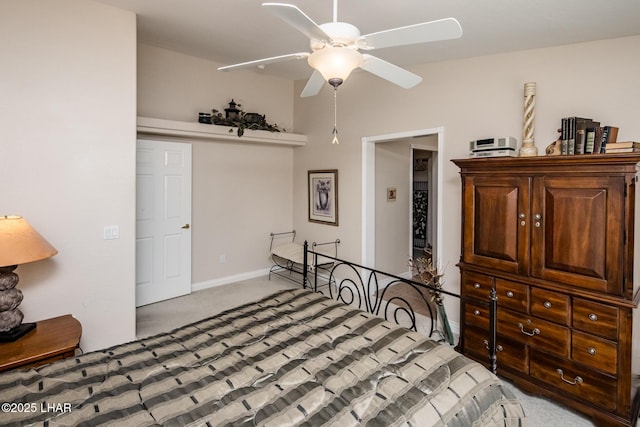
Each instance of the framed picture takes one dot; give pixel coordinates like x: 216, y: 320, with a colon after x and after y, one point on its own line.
x: 323, y: 196
x: 391, y: 194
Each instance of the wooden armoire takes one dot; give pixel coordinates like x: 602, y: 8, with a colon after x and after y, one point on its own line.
x: 554, y: 236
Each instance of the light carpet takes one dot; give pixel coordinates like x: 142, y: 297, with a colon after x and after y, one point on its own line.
x: 166, y: 315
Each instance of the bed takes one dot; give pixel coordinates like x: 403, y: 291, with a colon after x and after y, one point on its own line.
x: 295, y: 357
x: 287, y: 256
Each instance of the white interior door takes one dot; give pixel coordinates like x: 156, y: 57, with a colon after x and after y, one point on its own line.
x: 163, y: 221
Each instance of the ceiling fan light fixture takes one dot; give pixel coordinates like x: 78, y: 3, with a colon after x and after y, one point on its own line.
x: 335, y: 62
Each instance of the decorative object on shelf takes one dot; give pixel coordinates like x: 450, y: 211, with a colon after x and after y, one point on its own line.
x: 528, y: 148
x: 19, y: 244
x: 232, y: 113
x: 237, y: 118
x: 553, y: 149
x: 425, y: 271
x: 323, y: 196
x: 205, y: 118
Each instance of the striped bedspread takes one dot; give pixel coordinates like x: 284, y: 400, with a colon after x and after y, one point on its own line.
x: 293, y: 358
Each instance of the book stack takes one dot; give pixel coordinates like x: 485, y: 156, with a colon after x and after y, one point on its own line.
x: 581, y: 135
x: 622, y: 147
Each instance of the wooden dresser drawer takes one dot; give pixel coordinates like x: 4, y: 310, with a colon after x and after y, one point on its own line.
x: 535, y: 332
x: 510, y: 354
x: 552, y: 306
x: 512, y: 295
x: 476, y: 315
x: 475, y: 344
x: 574, y: 380
x: 595, y: 318
x: 477, y: 285
x: 594, y: 351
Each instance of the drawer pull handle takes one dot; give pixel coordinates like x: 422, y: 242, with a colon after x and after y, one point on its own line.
x: 510, y: 294
x: 498, y: 347
x: 593, y: 317
x: 535, y: 331
x: 476, y: 285
x: 547, y: 304
x: 592, y: 351
x: 576, y: 380
x: 476, y: 312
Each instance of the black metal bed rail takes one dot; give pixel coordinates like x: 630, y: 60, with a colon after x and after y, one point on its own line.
x: 361, y: 286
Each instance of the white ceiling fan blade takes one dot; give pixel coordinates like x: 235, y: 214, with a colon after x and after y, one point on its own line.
x: 298, y: 20
x: 390, y: 72
x: 442, y: 29
x: 265, y: 61
x: 314, y: 85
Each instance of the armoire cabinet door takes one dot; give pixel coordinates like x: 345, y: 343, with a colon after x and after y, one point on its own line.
x: 577, y: 234
x: 497, y: 222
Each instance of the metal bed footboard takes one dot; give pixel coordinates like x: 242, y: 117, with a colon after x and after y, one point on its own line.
x: 368, y: 289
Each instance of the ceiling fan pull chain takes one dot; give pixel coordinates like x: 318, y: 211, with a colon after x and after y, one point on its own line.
x: 335, y: 117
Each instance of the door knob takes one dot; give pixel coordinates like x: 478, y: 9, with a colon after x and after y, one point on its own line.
x: 186, y: 226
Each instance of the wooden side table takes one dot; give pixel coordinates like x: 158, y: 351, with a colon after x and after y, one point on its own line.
x: 53, y: 339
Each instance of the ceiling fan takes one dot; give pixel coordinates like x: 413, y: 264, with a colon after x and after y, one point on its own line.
x: 336, y: 47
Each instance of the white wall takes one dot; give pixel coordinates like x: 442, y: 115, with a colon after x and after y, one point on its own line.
x: 472, y: 98
x: 67, y: 157
x: 392, y: 163
x: 175, y: 86
x: 242, y: 191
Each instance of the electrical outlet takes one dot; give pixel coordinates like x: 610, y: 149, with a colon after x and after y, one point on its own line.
x: 223, y: 259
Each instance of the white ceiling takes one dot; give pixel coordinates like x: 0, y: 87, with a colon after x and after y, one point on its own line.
x: 232, y: 31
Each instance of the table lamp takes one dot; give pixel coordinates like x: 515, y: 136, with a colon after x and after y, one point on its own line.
x: 19, y: 244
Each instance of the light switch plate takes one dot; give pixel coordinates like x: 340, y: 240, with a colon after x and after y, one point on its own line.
x: 111, y: 232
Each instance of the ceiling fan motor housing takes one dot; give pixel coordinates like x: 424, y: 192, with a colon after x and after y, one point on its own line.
x: 341, y: 33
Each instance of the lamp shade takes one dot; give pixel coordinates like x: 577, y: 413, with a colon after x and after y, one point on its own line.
x: 20, y: 243
x: 335, y: 62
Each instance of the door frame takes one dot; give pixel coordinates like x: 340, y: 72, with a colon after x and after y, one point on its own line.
x: 368, y: 254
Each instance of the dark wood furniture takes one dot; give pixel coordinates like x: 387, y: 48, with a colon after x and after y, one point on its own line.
x: 554, y: 236
x: 53, y: 339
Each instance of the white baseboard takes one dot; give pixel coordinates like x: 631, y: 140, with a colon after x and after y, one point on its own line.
x: 228, y: 279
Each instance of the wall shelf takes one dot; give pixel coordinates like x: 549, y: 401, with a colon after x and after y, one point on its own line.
x: 150, y: 127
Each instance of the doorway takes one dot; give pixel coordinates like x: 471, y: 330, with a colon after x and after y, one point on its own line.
x: 431, y: 140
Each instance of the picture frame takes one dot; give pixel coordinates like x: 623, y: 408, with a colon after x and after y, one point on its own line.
x: 323, y: 196
x: 391, y: 194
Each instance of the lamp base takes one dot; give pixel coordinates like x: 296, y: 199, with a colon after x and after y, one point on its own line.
x: 17, y: 332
